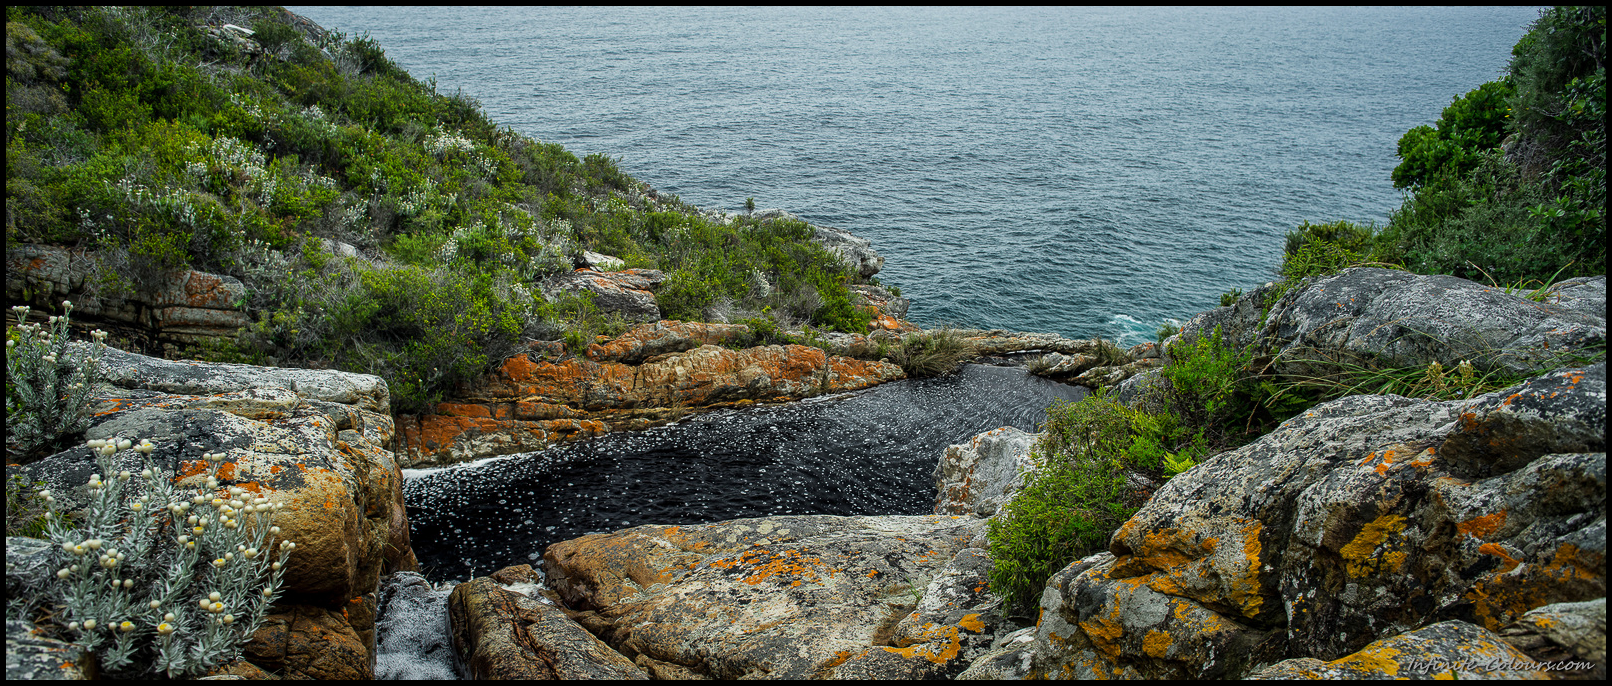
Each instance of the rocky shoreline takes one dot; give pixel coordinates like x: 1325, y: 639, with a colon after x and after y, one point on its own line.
x: 1370, y: 536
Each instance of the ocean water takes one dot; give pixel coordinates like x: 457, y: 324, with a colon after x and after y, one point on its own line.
x: 1075, y: 170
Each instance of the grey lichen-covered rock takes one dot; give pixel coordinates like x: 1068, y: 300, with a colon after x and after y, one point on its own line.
x: 27, y: 566
x: 1239, y: 323
x: 1098, y: 377
x: 1362, y: 518
x: 1399, y: 319
x: 187, y: 377
x: 857, y: 253
x: 1564, y: 632
x: 887, y: 303
x: 1060, y: 365
x: 629, y: 292
x: 32, y: 657
x: 778, y: 597
x: 1446, y: 650
x: 1008, y: 658
x: 600, y: 262
x: 501, y: 634
x: 982, y: 475
x: 1584, y: 294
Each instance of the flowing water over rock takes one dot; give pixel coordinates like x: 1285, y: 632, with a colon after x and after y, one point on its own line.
x: 871, y: 452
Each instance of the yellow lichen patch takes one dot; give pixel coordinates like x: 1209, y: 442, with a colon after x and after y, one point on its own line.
x: 943, y: 645
x: 1246, y: 586
x: 1360, y: 554
x: 1374, y: 659
x: 1105, y: 632
x: 972, y: 623
x: 1482, y: 527
x: 1156, y: 643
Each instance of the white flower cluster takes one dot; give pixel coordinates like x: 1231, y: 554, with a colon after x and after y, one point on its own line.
x: 130, y: 572
x: 251, y: 108
x: 232, y: 152
x: 174, y: 203
x: 442, y: 143
x: 48, y: 386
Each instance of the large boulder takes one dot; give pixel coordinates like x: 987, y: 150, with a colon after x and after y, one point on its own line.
x: 784, y: 597
x: 630, y: 292
x: 1363, y: 518
x: 308, y: 440
x: 503, y: 634
x: 982, y: 475
x: 31, y: 656
x: 533, y: 401
x: 1387, y: 318
x: 659, y: 338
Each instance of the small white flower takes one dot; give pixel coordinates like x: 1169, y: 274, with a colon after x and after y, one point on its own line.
x: 89, y: 625
x: 126, y: 626
x: 154, y: 604
x: 62, y: 573
x: 165, y: 628
x: 72, y: 626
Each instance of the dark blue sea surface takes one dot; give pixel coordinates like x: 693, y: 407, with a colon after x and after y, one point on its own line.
x: 1076, y: 170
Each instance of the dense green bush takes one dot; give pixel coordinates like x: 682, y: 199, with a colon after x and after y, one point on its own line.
x: 1069, y: 506
x: 1473, y: 123
x: 1535, y: 210
x: 931, y: 353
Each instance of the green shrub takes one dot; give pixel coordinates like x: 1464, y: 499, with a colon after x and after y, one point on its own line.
x: 1168, y: 329
x: 151, y: 586
x: 1472, y: 124
x: 1070, y: 505
x: 1203, y: 379
x: 48, y: 387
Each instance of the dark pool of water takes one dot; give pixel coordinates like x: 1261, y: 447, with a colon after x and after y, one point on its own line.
x: 871, y: 452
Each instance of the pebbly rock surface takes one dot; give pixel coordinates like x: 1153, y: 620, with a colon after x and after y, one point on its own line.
x: 1363, y: 518
x: 982, y: 475
x: 503, y: 634
x: 784, y: 597
x: 183, y: 308
x: 630, y: 292
x: 323, y: 458
x: 533, y: 401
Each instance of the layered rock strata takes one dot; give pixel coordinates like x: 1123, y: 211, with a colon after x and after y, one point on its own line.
x: 533, y: 400
x: 183, y: 309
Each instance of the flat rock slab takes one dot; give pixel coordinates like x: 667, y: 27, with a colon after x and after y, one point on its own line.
x: 777, y: 597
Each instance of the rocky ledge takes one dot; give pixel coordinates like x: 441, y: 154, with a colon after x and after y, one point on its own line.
x: 650, y: 375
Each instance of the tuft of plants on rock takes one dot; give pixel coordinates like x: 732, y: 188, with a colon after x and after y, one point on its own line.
x: 154, y: 579
x: 931, y: 353
x: 48, y: 386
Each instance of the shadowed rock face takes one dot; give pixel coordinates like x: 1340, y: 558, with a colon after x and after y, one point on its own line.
x: 306, y: 439
x: 783, y: 597
x: 1362, y: 518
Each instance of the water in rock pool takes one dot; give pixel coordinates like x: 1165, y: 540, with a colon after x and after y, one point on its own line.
x: 870, y: 452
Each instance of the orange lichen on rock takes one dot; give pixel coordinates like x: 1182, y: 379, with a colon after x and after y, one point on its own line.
x: 1156, y: 643
x: 1482, y: 527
